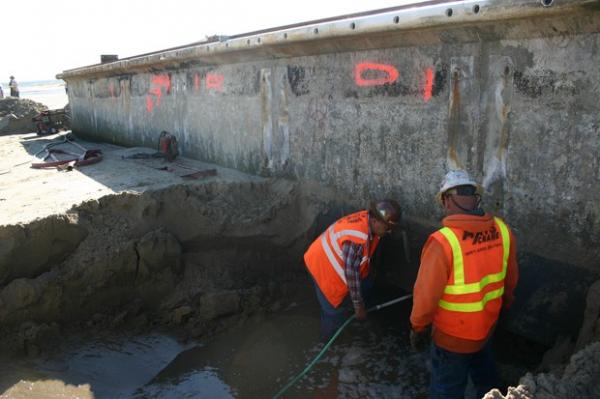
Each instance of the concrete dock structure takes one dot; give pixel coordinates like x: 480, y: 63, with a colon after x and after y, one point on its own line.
x: 382, y: 104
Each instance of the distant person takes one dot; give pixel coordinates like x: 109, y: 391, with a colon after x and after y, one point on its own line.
x: 1, y: 91
x: 14, y: 87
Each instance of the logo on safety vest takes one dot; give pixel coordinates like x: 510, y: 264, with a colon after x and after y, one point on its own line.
x: 352, y: 218
x: 482, y: 236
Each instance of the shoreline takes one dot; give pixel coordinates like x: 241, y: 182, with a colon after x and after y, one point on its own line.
x: 50, y: 100
x: 50, y: 93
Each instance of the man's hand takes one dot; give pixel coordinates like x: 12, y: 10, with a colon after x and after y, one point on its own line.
x: 360, y: 312
x: 418, y: 340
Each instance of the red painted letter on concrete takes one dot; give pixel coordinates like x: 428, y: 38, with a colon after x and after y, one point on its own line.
x: 427, y: 90
x: 214, y: 81
x: 149, y: 104
x: 389, y: 71
x: 159, y: 82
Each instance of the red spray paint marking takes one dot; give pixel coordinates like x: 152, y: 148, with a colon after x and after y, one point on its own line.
x: 162, y: 81
x: 391, y: 74
x: 111, y: 89
x: 427, y: 90
x: 214, y: 81
x: 196, y: 82
x: 149, y: 104
x: 159, y: 82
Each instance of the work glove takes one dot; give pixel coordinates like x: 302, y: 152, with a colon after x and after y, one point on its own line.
x: 419, y: 340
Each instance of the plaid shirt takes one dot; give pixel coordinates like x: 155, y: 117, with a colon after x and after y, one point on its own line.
x: 352, y: 254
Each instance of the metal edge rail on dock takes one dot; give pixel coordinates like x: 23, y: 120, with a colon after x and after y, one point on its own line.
x: 430, y: 14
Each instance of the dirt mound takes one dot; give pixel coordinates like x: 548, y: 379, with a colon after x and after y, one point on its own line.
x: 578, y: 377
x: 579, y: 380
x: 16, y: 114
x: 20, y: 107
x: 183, y: 255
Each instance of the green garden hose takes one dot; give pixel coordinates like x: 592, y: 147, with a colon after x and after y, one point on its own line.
x: 328, y: 344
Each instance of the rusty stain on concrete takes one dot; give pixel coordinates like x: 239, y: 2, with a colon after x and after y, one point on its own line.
x: 454, y: 123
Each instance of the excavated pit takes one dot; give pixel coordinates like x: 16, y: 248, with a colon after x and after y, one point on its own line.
x: 197, y: 289
x: 186, y: 254
x: 188, y: 259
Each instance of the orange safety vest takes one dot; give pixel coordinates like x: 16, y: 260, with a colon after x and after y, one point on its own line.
x: 472, y: 297
x: 324, y: 258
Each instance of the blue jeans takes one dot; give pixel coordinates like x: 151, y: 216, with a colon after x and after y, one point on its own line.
x: 332, y: 318
x: 449, y: 372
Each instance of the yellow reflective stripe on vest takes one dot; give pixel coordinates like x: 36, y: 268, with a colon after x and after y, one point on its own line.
x: 459, y: 266
x: 459, y: 287
x: 472, y: 306
x: 505, y: 243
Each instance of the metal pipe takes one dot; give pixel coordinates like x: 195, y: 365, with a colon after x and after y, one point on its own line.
x: 430, y: 15
x: 389, y: 303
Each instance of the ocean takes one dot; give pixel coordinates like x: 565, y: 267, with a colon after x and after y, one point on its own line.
x: 48, y: 92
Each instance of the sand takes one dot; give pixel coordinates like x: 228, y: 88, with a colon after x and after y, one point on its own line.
x: 52, y: 101
x: 27, y: 194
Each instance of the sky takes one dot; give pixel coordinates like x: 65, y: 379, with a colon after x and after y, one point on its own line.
x: 45, y: 37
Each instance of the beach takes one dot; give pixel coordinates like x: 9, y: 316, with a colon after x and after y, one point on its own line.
x: 51, y: 93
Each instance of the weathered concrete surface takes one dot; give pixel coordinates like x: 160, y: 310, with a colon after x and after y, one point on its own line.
x: 515, y: 102
x: 381, y: 111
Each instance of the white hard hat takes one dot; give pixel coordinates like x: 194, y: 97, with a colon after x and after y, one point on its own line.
x: 455, y: 178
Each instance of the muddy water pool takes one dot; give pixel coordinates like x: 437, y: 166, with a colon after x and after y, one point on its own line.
x: 253, y: 359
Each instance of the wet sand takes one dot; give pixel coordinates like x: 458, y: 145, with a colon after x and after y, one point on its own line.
x: 51, y: 100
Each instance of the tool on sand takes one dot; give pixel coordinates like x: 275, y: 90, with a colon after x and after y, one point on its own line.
x: 328, y: 344
x: 88, y: 157
x: 167, y: 146
x: 50, y: 121
x: 167, y: 149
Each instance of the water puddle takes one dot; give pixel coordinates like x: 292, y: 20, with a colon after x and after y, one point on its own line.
x: 107, y: 367
x: 254, y: 359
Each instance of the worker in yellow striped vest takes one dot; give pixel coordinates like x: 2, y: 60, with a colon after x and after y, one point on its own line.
x: 468, y: 273
x: 339, y: 262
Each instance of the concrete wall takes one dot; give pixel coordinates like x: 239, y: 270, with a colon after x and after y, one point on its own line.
x: 514, y: 100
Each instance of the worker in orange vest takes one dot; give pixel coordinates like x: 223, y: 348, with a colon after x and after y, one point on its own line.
x: 468, y: 273
x: 339, y: 262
